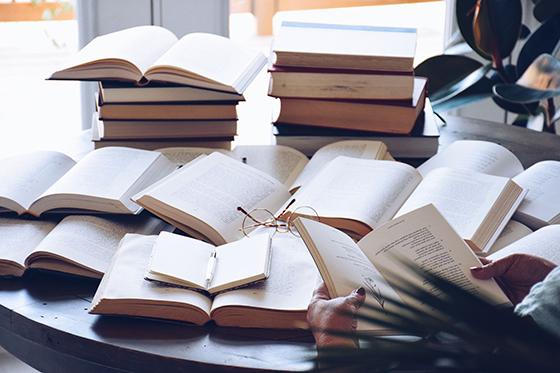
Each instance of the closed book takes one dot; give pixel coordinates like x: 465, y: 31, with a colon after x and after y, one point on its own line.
x: 372, y: 116
x: 422, y: 142
x: 344, y: 46
x: 340, y: 84
x: 121, y: 92
x: 163, y: 129
x: 168, y: 111
x: 217, y: 143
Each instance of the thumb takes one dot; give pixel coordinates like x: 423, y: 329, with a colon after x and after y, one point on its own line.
x: 493, y: 269
x: 356, y: 298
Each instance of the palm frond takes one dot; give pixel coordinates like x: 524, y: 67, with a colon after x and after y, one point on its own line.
x: 459, y: 332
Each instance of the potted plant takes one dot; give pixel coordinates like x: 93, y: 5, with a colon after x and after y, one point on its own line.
x: 493, y: 29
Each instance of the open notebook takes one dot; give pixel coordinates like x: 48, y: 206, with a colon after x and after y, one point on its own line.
x: 152, y: 53
x: 279, y: 302
x: 103, y: 181
x: 79, y: 244
x: 422, y: 238
x: 190, y: 263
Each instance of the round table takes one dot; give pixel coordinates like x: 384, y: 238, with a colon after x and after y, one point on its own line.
x: 44, y: 321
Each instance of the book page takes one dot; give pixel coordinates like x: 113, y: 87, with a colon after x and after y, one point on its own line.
x: 365, y: 190
x: 463, y: 197
x: 513, y: 231
x: 25, y: 177
x: 203, y: 55
x: 183, y: 155
x: 180, y: 260
x: 19, y: 237
x: 424, y: 239
x: 345, y: 267
x: 480, y: 156
x: 242, y: 262
x: 543, y: 182
x: 140, y: 46
x: 350, y: 148
x: 105, y: 173
x: 544, y: 243
x: 281, y: 162
x: 91, y: 241
x: 124, y: 279
x: 211, y: 188
x: 292, y: 280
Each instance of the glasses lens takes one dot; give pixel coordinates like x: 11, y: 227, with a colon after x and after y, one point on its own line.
x: 304, y: 212
x: 257, y: 218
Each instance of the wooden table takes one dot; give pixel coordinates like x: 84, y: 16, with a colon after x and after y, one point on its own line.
x: 44, y: 319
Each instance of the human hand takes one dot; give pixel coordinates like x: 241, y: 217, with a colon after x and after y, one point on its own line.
x: 515, y: 274
x: 325, y: 314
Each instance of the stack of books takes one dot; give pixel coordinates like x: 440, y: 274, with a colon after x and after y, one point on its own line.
x: 164, y: 115
x: 157, y: 91
x: 338, y: 82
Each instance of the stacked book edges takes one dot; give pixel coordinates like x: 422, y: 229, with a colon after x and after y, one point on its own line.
x: 156, y: 90
x: 336, y: 82
x: 421, y: 142
x: 159, y: 115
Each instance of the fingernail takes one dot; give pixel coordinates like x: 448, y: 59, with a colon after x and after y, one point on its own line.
x: 475, y: 269
x: 361, y: 291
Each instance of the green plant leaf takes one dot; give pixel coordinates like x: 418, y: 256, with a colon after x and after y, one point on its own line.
x: 449, y: 75
x: 540, y: 81
x: 456, y: 87
x: 473, y: 335
x: 497, y: 26
x: 464, y: 14
x: 514, y: 107
x: 479, y: 91
x: 544, y: 9
x: 543, y: 40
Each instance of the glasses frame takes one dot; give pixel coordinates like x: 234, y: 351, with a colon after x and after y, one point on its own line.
x: 279, y: 225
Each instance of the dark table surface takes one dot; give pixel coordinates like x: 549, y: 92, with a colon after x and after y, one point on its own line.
x: 44, y: 319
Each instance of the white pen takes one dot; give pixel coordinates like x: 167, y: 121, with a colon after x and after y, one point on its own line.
x: 211, y: 268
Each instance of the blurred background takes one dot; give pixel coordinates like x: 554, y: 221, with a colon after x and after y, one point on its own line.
x: 37, y: 35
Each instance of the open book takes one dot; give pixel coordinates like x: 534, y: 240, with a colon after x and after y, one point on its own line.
x: 202, y: 197
x: 481, y: 156
x: 513, y: 232
x: 357, y: 195
x: 279, y: 302
x: 421, y: 237
x: 151, y: 53
x: 191, y: 263
x: 194, y: 198
x: 287, y: 165
x: 544, y: 243
x: 79, y: 244
x: 542, y: 180
x: 542, y: 205
x: 103, y: 181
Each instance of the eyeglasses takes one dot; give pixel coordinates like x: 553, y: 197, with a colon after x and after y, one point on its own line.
x: 282, y: 223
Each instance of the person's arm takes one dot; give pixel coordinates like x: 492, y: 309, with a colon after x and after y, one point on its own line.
x: 515, y: 274
x: 325, y: 314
